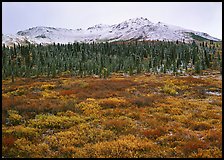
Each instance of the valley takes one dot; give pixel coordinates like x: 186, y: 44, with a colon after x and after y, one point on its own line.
x: 144, y: 115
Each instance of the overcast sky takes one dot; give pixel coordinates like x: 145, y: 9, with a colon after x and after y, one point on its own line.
x: 198, y: 16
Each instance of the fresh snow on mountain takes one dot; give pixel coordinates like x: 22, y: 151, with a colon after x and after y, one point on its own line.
x: 132, y: 29
x: 14, y: 39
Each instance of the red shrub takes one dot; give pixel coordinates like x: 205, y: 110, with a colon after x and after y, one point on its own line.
x: 66, y: 92
x: 142, y: 101
x: 8, y: 141
x: 193, y: 146
x: 153, y: 133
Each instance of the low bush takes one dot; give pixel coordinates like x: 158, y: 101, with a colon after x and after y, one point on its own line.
x: 113, y: 102
x: 127, y: 146
x: 90, y: 107
x: 200, y: 126
x: 54, y: 121
x: 143, y: 101
x: 14, y: 118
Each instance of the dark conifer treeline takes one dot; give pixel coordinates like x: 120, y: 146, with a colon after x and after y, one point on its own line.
x: 81, y: 59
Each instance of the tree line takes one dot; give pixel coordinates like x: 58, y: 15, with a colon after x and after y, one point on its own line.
x: 103, y: 59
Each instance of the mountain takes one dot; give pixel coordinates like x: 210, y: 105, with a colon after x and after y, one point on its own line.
x: 132, y: 29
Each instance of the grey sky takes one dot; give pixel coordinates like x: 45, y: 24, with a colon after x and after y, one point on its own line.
x: 198, y: 16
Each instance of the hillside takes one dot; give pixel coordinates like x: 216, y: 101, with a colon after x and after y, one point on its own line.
x: 132, y: 29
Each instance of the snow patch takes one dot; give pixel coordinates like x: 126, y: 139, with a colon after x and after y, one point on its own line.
x: 213, y: 93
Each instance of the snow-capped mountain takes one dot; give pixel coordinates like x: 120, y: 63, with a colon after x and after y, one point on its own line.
x: 132, y: 29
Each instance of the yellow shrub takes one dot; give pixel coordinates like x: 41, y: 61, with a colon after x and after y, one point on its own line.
x: 52, y: 121
x: 49, y: 94
x: 183, y: 87
x: 93, y: 134
x: 67, y: 141
x: 131, y: 90
x: 175, y: 111
x: 90, y: 108
x: 26, y: 149
x: 14, y: 117
x: 127, y: 146
x: 65, y: 138
x: 214, y: 152
x: 113, y: 102
x: 18, y: 92
x: 47, y: 86
x: 21, y: 131
x: 83, y: 84
x: 67, y: 113
x: 169, y: 89
x: 120, y: 125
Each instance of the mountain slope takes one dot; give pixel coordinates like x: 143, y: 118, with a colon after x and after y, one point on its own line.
x: 132, y: 29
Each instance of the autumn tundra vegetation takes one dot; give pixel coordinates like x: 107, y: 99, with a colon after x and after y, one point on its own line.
x: 113, y: 100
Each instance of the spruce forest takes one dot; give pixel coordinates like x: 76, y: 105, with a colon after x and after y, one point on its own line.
x: 103, y: 59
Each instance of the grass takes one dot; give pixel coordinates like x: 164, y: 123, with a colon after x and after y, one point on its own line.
x: 142, y: 116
